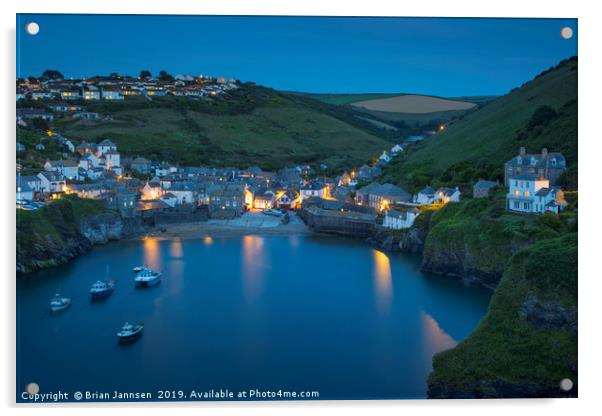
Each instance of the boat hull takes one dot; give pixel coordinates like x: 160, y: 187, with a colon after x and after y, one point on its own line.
x: 130, y: 337
x: 102, y: 294
x: 59, y: 308
x: 148, y: 283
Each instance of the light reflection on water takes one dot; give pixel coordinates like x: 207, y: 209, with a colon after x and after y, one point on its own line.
x: 435, y: 339
x: 383, y: 280
x: 253, y: 260
x: 151, y: 252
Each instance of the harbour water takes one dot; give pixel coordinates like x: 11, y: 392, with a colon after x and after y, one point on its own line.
x: 289, y: 313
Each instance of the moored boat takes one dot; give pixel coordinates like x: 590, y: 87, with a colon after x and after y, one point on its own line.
x: 138, y: 269
x: 102, y: 288
x: 148, y: 277
x: 130, y: 332
x: 58, y: 303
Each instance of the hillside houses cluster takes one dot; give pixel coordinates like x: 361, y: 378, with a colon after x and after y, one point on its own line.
x: 99, y: 171
x: 117, y: 88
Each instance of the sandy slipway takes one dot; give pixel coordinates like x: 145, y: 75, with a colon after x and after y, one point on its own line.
x: 249, y: 223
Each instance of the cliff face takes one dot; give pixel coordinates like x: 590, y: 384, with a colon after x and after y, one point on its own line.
x: 64, y: 230
x: 527, y: 342
x: 100, y: 229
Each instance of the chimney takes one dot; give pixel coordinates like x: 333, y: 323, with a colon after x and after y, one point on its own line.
x: 544, y: 151
x: 522, y: 151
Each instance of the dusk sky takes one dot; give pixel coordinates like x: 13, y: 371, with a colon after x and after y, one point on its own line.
x: 445, y: 57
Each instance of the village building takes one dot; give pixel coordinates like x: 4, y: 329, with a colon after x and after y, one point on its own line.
x: 383, y: 196
x: 51, y: 182
x: 547, y: 165
x: 70, y: 94
x: 87, y: 115
x: 385, y: 157
x: 121, y: 198
x: 34, y: 182
x: 141, y: 165
x: 85, y: 147
x: 64, y: 108
x: 264, y: 199
x: 368, y: 172
x: 396, y: 220
x: 314, y: 188
x: 111, y: 94
x: 33, y: 113
x: 446, y: 195
x: 482, y: 188
x: 425, y: 197
x: 185, y: 192
x: 227, y: 202
x: 288, y: 199
x: 90, y: 93
x: 534, y: 195
x: 106, y: 146
x: 396, y: 149
x: 24, y: 191
x: 170, y: 199
x: 112, y: 160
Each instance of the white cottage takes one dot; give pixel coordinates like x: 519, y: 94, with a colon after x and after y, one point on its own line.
x: 396, y: 220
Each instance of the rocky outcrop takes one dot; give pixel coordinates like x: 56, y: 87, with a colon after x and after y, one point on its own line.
x: 407, y: 241
x: 460, y: 263
x: 549, y: 314
x: 53, y: 249
x: 100, y: 229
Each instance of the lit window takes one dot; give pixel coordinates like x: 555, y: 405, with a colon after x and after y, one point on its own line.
x: 526, y: 193
x: 516, y: 193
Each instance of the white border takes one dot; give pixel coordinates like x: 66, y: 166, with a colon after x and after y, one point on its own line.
x: 590, y: 291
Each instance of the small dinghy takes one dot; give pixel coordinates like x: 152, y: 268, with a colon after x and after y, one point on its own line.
x: 130, y: 332
x: 57, y: 303
x: 148, y: 277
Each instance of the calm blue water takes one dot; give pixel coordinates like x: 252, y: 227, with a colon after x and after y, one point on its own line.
x: 296, y: 313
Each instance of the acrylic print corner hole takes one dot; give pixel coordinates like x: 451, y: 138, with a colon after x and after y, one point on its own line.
x: 32, y: 28
x: 295, y: 208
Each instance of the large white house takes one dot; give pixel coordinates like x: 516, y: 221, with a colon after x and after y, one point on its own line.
x: 533, y: 195
x: 397, y: 220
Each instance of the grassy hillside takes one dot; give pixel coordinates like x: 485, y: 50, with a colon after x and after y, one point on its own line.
x: 527, y: 342
x: 252, y: 125
x: 493, y: 133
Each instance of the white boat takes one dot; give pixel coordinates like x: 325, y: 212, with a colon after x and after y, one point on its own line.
x: 138, y: 269
x: 130, y: 332
x: 148, y: 277
x: 57, y: 303
x: 101, y: 289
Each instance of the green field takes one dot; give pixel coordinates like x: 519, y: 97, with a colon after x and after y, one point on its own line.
x: 255, y: 126
x: 346, y: 99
